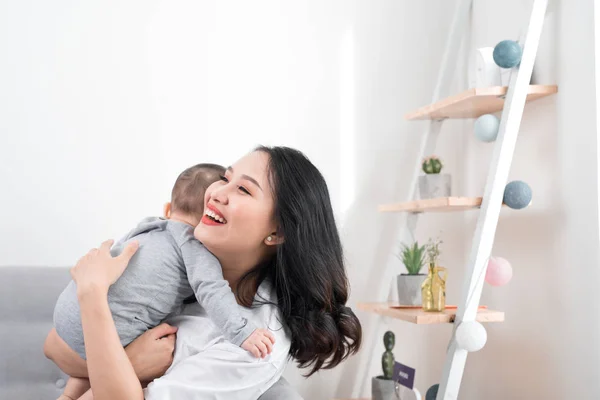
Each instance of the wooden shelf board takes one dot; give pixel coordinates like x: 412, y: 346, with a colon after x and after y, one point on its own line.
x: 475, y: 102
x: 418, y: 316
x: 441, y: 204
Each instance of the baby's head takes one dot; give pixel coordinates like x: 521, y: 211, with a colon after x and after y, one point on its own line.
x: 187, y: 196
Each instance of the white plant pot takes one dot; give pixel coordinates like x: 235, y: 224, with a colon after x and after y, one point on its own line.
x: 409, y: 289
x: 383, y: 389
x: 483, y: 71
x: 432, y: 186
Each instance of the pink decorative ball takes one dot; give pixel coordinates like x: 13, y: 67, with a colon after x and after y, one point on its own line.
x: 499, y: 272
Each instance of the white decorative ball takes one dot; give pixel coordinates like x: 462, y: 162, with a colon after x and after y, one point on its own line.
x: 471, y: 336
x: 486, y: 128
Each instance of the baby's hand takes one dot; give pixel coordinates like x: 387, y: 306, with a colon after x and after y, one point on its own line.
x: 259, y: 343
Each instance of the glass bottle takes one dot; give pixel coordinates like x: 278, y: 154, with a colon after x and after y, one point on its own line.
x: 433, y: 290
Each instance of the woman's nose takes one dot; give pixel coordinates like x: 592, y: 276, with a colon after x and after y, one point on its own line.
x: 219, y: 195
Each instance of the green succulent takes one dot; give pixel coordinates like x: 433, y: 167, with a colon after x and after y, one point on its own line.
x: 413, y: 257
x: 432, y: 165
x: 387, y: 359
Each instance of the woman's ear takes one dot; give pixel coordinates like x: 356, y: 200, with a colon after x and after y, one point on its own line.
x: 274, y: 239
x: 167, y: 210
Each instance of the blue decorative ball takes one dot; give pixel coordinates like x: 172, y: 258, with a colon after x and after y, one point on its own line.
x: 486, y: 128
x: 432, y: 392
x: 517, y: 195
x: 507, y: 54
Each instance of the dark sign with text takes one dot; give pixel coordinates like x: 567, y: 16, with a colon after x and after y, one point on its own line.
x: 404, y: 375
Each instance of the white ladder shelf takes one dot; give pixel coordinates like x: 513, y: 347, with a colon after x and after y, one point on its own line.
x: 469, y: 104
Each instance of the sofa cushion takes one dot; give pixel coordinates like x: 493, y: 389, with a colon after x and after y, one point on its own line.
x: 27, y: 298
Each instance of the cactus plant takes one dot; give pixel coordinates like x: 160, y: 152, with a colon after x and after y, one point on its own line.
x: 432, y: 165
x: 387, y: 360
x: 413, y: 257
x: 383, y: 386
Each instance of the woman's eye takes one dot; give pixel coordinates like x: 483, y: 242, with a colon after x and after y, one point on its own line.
x: 223, y: 178
x: 243, y: 189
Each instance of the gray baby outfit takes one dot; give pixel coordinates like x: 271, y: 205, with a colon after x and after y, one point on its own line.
x: 169, y: 266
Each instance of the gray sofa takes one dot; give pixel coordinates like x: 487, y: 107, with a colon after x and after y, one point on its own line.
x: 27, y: 298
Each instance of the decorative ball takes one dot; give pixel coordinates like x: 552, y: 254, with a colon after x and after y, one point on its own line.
x: 517, y: 195
x: 486, y: 128
x: 404, y: 393
x: 432, y: 392
x: 499, y: 271
x: 471, y: 336
x: 507, y: 54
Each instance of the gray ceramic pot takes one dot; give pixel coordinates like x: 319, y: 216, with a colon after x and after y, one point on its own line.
x: 432, y: 186
x: 383, y: 389
x: 409, y: 289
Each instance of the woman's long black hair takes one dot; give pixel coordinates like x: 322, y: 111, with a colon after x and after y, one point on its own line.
x: 308, y: 268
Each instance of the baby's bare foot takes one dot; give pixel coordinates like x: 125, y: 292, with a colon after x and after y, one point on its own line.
x: 75, y: 388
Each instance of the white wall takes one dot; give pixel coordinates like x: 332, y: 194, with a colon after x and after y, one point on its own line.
x: 597, y: 76
x: 103, y: 103
x: 548, y: 346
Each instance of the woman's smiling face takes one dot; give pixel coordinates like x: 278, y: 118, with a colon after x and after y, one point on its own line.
x: 238, y: 209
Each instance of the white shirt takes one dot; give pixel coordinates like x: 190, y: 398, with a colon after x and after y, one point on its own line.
x: 207, y: 366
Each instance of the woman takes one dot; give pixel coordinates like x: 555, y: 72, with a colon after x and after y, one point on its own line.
x: 281, y: 254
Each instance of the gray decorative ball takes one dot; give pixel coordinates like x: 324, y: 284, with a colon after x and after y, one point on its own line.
x: 517, y: 195
x: 507, y: 54
x: 432, y: 392
x: 486, y: 128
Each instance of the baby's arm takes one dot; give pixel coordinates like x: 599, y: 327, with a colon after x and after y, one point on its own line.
x: 63, y: 356
x: 75, y: 389
x: 214, y: 294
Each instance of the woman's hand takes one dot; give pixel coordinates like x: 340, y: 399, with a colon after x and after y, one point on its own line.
x: 151, y: 354
x: 98, y: 269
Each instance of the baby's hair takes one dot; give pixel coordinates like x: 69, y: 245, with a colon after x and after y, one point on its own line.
x: 187, y: 195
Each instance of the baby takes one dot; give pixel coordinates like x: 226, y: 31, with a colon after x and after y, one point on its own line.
x: 169, y: 266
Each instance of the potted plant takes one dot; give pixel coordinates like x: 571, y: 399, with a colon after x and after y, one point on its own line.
x: 433, y: 184
x: 383, y: 386
x: 433, y: 290
x: 409, y: 285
